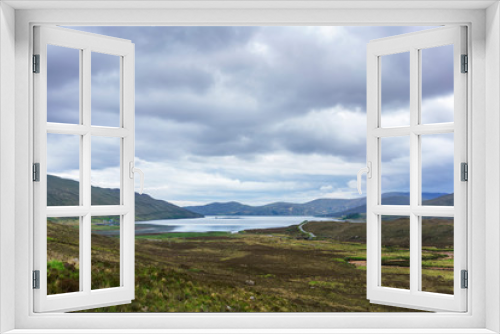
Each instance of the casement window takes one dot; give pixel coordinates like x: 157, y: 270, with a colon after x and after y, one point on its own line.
x: 416, y: 133
x: 88, y: 129
x: 474, y: 127
x: 80, y: 132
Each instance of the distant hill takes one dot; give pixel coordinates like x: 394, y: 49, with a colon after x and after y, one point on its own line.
x: 324, y: 207
x: 397, y: 198
x: 316, y: 207
x: 391, y: 199
x: 446, y: 200
x: 66, y: 192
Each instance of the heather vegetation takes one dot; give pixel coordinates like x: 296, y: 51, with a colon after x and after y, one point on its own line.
x: 271, y: 270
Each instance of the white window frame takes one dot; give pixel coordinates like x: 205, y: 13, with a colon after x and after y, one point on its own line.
x: 413, y: 44
x: 86, y: 44
x: 483, y: 21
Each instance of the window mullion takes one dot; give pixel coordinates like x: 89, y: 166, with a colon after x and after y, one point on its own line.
x: 81, y: 195
x: 414, y: 170
x: 85, y: 169
x: 373, y: 184
x: 127, y: 236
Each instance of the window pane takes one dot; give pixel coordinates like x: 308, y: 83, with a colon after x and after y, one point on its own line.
x: 395, y: 90
x: 63, y: 85
x: 395, y: 170
x: 437, y: 85
x: 395, y: 248
x: 63, y: 254
x: 63, y: 170
x: 437, y: 254
x: 437, y: 169
x: 105, y: 252
x: 106, y: 171
x: 105, y: 90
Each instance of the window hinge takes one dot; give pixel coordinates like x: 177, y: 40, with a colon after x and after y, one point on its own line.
x: 36, y: 63
x: 465, y: 64
x: 36, y: 172
x: 36, y: 279
x: 464, y: 171
x: 465, y: 279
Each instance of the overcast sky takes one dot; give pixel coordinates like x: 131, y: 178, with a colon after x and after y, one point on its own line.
x: 252, y: 114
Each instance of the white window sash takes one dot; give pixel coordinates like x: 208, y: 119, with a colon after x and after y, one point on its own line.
x: 86, y: 297
x: 414, y: 297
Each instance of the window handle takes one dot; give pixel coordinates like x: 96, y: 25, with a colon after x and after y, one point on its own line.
x: 368, y: 171
x: 133, y: 170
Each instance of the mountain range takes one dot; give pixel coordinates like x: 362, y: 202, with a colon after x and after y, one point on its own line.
x: 320, y: 207
x: 389, y: 199
x: 64, y: 192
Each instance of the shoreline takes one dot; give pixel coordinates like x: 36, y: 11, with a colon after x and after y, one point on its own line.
x: 142, y: 228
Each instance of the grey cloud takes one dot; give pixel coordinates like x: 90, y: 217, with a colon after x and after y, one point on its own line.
x: 105, y: 152
x: 104, y: 63
x: 437, y: 71
x: 306, y: 189
x: 63, y: 65
x: 179, y: 71
x: 176, y: 77
x: 267, y: 137
x: 438, y: 178
x: 63, y: 153
x: 393, y: 148
x: 308, y: 143
x: 395, y: 82
x: 63, y: 85
x: 180, y: 39
x: 307, y: 73
x: 178, y: 139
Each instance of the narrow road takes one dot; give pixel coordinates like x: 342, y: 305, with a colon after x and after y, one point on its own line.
x: 311, y: 235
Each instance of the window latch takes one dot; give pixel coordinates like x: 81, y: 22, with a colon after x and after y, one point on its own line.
x: 368, y: 171
x: 133, y: 170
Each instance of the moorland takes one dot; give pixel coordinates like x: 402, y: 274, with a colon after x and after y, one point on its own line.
x: 271, y: 270
x: 315, y: 266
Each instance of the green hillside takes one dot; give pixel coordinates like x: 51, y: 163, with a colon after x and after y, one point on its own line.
x: 436, y: 232
x: 323, y: 207
x: 269, y: 270
x: 312, y: 208
x: 64, y: 192
x: 391, y: 199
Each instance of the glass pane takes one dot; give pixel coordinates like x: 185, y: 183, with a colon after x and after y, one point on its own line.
x: 63, y: 170
x: 105, y: 90
x: 437, y: 169
x: 63, y: 85
x: 437, y: 254
x: 63, y: 254
x: 395, y: 170
x: 437, y: 85
x: 106, y: 171
x: 395, y: 252
x: 395, y: 90
x: 105, y: 252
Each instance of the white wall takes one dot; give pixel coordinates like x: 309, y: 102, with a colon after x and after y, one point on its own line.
x: 22, y: 133
x: 7, y: 160
x: 492, y: 164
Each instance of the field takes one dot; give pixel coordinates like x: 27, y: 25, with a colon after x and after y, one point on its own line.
x: 273, y: 270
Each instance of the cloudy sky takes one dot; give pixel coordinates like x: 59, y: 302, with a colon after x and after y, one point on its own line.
x: 252, y: 114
